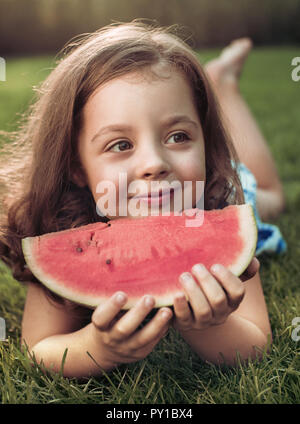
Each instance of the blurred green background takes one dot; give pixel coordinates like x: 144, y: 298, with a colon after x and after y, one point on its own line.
x: 44, y: 26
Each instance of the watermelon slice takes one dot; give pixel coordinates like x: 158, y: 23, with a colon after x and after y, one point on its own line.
x: 140, y: 256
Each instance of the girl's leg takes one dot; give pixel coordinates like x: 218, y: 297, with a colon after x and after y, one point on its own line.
x: 249, y: 142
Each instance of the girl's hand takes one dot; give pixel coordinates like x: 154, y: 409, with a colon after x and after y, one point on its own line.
x: 213, y: 295
x: 116, y: 331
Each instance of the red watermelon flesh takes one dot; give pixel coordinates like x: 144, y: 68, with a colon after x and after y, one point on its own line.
x: 140, y: 256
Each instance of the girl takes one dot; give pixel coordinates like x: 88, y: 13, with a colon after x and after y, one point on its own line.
x: 118, y: 102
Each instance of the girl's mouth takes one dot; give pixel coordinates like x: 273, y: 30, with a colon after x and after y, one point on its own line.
x: 154, y: 199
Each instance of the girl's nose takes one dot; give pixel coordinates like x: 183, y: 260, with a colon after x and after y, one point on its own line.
x: 152, y: 164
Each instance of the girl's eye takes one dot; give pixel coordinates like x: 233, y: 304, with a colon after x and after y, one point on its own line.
x: 179, y: 137
x: 121, y: 144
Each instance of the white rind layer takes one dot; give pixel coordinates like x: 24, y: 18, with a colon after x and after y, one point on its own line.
x: 248, y: 226
x: 248, y: 232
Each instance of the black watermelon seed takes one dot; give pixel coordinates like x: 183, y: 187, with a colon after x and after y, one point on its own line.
x: 79, y: 249
x: 108, y: 225
x: 108, y: 261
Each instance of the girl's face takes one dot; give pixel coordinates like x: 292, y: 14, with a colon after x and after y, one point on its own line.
x: 137, y: 130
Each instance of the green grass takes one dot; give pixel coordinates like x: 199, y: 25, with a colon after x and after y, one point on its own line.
x: 172, y: 373
x: 16, y: 92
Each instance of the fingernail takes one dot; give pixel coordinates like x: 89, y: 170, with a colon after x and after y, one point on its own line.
x: 180, y: 297
x: 120, y: 298
x: 186, y: 276
x: 149, y: 301
x: 165, y: 314
x: 199, y: 268
x: 257, y: 261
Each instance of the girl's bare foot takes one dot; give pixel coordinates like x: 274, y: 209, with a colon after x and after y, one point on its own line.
x: 226, y: 69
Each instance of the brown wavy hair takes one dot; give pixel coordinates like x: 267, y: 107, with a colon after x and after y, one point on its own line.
x: 38, y: 192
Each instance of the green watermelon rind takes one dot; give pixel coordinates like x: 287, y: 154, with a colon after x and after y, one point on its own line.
x: 248, y: 225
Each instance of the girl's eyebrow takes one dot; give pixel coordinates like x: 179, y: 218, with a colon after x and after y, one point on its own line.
x: 125, y: 127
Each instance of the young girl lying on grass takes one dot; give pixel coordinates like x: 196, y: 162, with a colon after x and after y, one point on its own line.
x: 117, y: 102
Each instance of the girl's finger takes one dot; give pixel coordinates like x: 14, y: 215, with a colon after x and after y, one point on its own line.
x: 154, y: 330
x: 132, y: 319
x: 234, y: 287
x: 105, y: 314
x: 200, y: 306
x: 251, y: 270
x: 212, y: 290
x: 181, y: 309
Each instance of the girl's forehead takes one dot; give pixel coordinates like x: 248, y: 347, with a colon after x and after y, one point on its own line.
x: 133, y: 98
x: 160, y: 72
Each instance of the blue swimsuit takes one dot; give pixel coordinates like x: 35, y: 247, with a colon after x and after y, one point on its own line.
x: 269, y: 236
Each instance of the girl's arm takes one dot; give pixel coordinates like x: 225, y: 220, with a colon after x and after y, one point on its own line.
x: 245, y: 327
x: 50, y: 329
